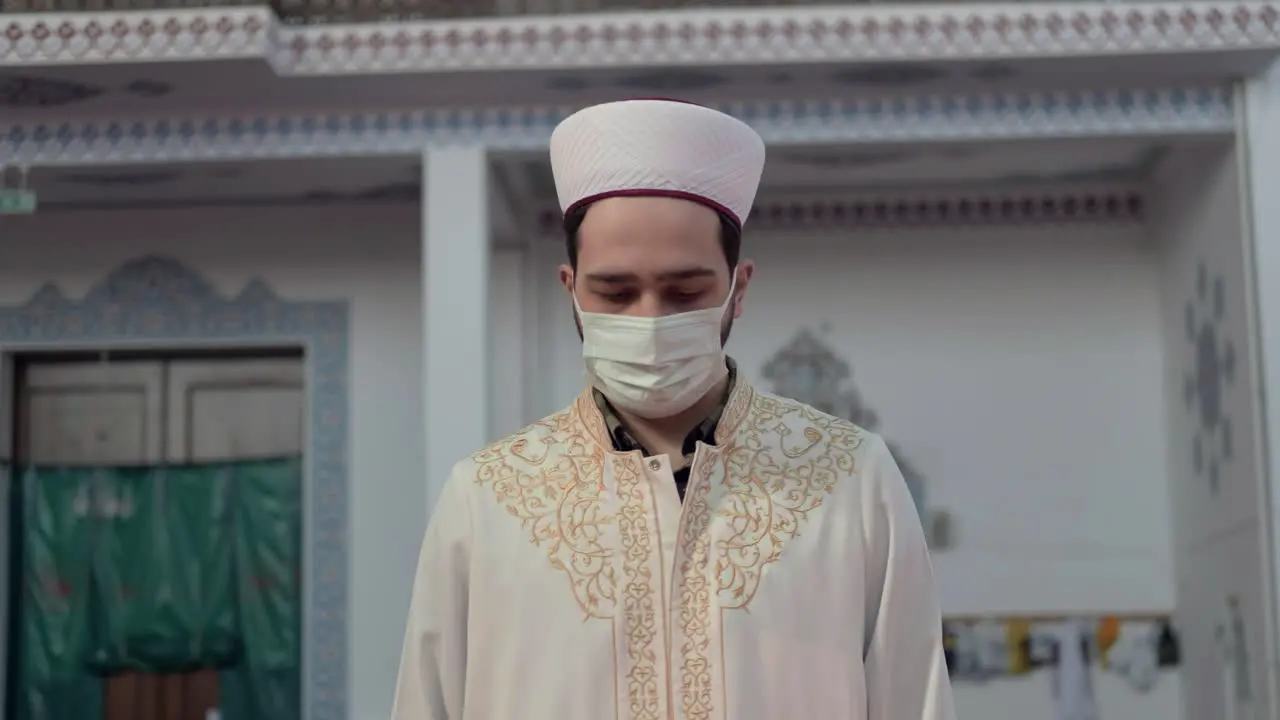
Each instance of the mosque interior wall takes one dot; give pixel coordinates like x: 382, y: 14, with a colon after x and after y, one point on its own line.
x: 1032, y: 373
x: 369, y: 255
x: 1020, y: 370
x: 1218, y: 500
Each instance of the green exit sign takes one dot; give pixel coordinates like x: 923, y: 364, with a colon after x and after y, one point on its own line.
x: 17, y: 202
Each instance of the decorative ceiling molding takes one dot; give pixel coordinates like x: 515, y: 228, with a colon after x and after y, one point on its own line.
x: 1210, y: 377
x: 26, y: 91
x: 1026, y: 207
x: 821, y: 34
x: 225, y: 33
x: 990, y: 116
x: 1048, y: 205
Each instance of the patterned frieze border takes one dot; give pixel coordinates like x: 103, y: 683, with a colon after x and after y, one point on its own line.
x: 890, y: 33
x: 1053, y: 204
x: 784, y: 35
x: 229, y: 33
x: 1086, y: 113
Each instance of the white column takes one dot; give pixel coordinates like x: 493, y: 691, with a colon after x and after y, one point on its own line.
x: 1260, y: 150
x: 455, y: 296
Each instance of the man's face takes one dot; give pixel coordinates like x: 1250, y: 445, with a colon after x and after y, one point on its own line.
x: 652, y: 257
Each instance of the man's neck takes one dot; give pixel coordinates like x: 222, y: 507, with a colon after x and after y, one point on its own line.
x: 665, y: 436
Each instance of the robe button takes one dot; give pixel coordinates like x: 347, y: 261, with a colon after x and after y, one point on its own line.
x: 655, y: 464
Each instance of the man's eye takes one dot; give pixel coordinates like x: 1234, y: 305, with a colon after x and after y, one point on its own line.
x: 686, y: 297
x: 616, y: 298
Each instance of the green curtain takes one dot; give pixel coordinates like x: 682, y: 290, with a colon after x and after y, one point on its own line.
x: 267, y: 683
x: 174, y: 611
x: 53, y: 598
x: 164, y: 569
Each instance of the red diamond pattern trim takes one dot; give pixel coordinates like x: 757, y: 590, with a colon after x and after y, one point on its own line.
x: 818, y: 34
x: 1049, y: 207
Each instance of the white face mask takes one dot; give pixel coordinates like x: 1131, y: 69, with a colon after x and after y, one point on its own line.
x: 654, y: 367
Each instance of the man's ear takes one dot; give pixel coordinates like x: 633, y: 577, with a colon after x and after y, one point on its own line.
x: 566, y: 278
x: 742, y: 279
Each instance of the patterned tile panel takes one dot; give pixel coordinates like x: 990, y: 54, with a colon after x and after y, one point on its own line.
x: 823, y: 33
x: 160, y: 302
x: 1036, y: 114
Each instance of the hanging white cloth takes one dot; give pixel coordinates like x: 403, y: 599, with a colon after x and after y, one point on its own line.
x: 991, y: 639
x: 1135, y: 655
x: 966, y: 655
x: 1073, y: 697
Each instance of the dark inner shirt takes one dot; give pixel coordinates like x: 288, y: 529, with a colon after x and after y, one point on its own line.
x: 704, y: 432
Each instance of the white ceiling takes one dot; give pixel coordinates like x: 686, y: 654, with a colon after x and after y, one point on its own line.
x: 522, y: 186
x: 397, y: 179
x: 180, y: 89
x: 283, y: 182
x: 826, y: 169
x: 319, y: 180
x: 801, y: 169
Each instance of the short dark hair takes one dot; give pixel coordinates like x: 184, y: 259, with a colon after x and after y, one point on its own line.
x: 730, y: 236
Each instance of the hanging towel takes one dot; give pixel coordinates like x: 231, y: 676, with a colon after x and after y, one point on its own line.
x: 991, y: 640
x: 1135, y: 654
x: 1072, y: 682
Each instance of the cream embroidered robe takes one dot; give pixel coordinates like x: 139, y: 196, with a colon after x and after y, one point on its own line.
x: 561, y: 580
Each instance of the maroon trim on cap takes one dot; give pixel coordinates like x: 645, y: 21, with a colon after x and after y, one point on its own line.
x: 665, y: 99
x: 641, y: 192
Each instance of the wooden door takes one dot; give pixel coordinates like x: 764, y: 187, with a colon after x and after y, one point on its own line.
x: 147, y: 412
x: 223, y: 410
x: 92, y: 414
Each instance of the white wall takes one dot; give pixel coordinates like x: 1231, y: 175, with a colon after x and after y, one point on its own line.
x: 1220, y: 538
x: 1262, y: 105
x: 1021, y: 369
x: 369, y: 255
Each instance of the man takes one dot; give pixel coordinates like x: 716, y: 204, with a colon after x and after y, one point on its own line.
x: 675, y: 544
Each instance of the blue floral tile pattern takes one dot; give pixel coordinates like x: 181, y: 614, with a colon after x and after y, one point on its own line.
x: 1213, y: 371
x: 1008, y: 115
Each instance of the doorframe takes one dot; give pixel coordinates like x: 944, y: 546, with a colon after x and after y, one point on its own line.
x: 156, y: 302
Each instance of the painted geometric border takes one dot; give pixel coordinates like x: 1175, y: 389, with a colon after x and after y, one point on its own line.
x: 156, y: 301
x: 972, y: 31
x: 227, y: 33
x: 722, y: 36
x: 1025, y: 207
x: 1015, y: 115
x: 1047, y: 205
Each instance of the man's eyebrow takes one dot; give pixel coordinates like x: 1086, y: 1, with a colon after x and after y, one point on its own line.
x: 615, y: 278
x: 612, y: 278
x: 687, y: 273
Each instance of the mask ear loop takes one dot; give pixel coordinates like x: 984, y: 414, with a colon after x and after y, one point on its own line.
x: 733, y: 287
x: 573, y: 293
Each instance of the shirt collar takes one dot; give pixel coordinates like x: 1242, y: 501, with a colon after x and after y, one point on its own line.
x: 704, y: 432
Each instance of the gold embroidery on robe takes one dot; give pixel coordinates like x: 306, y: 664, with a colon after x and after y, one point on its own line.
x: 639, y: 602
x: 760, y: 487
x: 559, y: 501
x: 694, y: 602
x: 774, y: 464
x: 550, y: 476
